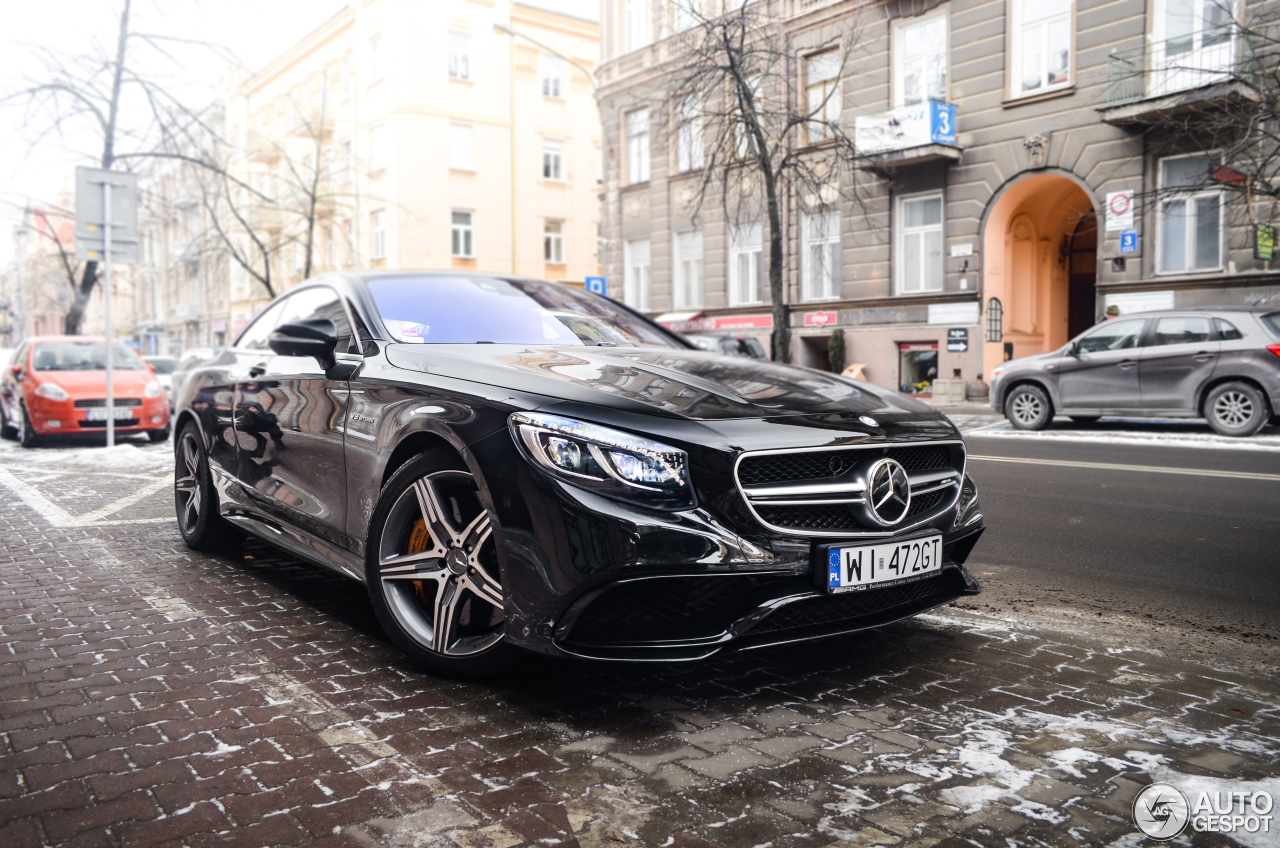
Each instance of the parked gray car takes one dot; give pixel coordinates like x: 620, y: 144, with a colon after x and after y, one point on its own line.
x: 1219, y: 364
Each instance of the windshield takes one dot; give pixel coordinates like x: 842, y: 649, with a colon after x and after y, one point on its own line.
x: 83, y: 356
x: 163, y: 364
x: 477, y: 310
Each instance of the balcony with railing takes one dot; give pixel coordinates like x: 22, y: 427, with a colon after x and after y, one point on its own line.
x: 1211, y: 68
x: 908, y: 135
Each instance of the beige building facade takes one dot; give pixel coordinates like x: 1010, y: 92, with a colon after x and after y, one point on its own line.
x: 406, y: 135
x: 994, y: 136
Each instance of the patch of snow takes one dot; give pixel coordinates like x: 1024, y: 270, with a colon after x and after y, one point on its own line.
x: 1209, y: 440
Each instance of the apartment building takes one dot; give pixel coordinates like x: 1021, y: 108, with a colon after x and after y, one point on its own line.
x: 1021, y: 178
x: 444, y: 135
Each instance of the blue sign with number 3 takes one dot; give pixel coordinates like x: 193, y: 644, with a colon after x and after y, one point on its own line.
x: 1128, y: 241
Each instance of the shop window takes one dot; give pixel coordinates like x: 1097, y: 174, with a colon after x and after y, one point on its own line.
x: 917, y: 368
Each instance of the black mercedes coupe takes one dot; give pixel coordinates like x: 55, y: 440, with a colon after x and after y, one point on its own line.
x: 513, y: 464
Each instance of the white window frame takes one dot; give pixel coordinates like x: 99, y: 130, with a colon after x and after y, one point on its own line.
x: 1189, y: 198
x: 831, y: 254
x: 553, y: 159
x: 901, y: 33
x: 1041, y: 23
x: 746, y: 243
x: 637, y: 24
x: 461, y: 138
x: 553, y: 242
x: 552, y: 76
x: 378, y: 235
x: 901, y: 232
x: 689, y: 134
x: 1200, y: 64
x: 637, y: 146
x: 687, y: 269
x: 459, y: 56
x: 462, y: 235
x: 827, y: 89
x: 637, y: 258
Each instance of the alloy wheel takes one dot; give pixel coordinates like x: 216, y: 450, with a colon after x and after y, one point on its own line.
x: 186, y: 484
x: 1027, y: 408
x: 1233, y: 409
x: 437, y: 566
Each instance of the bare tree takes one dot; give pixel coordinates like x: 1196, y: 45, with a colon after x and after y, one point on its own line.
x: 765, y: 144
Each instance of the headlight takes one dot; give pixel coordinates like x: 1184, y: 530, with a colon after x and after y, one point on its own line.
x: 52, y: 391
x: 610, y: 462
x: 153, y: 389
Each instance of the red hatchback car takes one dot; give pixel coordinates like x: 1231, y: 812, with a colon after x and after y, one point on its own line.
x: 57, y: 386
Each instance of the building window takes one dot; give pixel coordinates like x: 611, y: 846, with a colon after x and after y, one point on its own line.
x: 919, y: 258
x: 348, y: 161
x: 638, y: 146
x: 460, y: 147
x: 378, y: 235
x: 746, y: 260
x: 687, y: 282
x: 995, y: 320
x: 917, y: 368
x: 822, y: 84
x: 820, y: 256
x: 1041, y: 45
x: 1193, y: 44
x: 920, y: 65
x: 552, y: 159
x: 375, y: 58
x: 378, y: 155
x: 553, y: 242
x: 637, y: 24
x: 689, y: 134
x: 635, y: 274
x: 348, y: 244
x: 552, y: 75
x: 462, y: 246
x: 459, y: 56
x: 1189, y: 226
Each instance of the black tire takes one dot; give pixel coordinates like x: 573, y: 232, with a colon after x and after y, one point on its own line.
x: 430, y: 510
x: 27, y: 436
x: 6, y: 430
x: 158, y: 436
x: 1236, y: 409
x: 1028, y: 407
x: 200, y: 525
x: 1086, y: 419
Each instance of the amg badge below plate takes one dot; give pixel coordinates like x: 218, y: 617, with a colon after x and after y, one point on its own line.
x: 885, y: 564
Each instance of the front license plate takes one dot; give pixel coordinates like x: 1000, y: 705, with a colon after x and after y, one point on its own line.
x: 863, y: 567
x: 100, y: 413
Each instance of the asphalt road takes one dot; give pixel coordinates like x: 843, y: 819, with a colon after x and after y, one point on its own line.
x: 1187, y: 538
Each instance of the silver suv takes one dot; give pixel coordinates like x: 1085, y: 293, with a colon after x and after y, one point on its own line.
x: 1219, y: 364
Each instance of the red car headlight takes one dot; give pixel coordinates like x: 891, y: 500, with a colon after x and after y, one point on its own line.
x: 51, y: 391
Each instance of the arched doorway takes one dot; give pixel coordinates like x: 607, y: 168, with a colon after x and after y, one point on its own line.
x: 1040, y: 246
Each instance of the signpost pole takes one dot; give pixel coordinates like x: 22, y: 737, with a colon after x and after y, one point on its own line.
x: 106, y: 294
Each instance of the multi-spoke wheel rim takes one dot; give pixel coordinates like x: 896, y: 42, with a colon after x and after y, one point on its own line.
x: 1233, y: 409
x: 437, y: 566
x: 186, y: 483
x: 1027, y: 408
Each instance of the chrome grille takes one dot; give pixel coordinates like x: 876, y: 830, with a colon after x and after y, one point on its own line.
x: 819, y: 492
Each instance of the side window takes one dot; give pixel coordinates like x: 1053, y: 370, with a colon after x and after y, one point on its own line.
x: 316, y: 303
x: 20, y: 355
x: 1113, y: 335
x: 1227, y: 331
x: 1171, y: 331
x: 255, y: 335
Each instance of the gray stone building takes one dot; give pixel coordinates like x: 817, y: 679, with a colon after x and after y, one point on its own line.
x: 1058, y: 189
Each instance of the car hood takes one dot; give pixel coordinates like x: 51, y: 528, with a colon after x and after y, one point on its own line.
x: 1033, y: 361
x: 686, y: 383
x: 93, y: 384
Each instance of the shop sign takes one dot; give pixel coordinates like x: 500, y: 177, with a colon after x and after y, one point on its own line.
x: 957, y: 339
x: 1264, y: 242
x: 1119, y: 211
x: 954, y: 313
x: 819, y: 319
x: 1131, y: 302
x: 218, y: 325
x: 743, y: 322
x: 1226, y: 176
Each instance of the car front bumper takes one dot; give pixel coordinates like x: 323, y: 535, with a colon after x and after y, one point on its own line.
x: 63, y: 417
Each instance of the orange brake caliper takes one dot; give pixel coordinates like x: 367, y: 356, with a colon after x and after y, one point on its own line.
x: 419, y: 541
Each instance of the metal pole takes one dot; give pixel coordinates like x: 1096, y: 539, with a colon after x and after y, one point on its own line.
x: 20, y: 318
x: 106, y: 260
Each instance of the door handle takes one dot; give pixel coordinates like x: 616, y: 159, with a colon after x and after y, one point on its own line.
x: 1126, y: 364
x: 1202, y: 357
x: 258, y: 370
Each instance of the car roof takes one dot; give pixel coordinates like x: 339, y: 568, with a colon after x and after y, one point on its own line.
x: 1208, y: 310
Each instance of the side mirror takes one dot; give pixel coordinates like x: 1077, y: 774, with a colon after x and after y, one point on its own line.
x: 16, y: 370
x: 151, y: 366
x: 316, y: 337
x: 1073, y: 349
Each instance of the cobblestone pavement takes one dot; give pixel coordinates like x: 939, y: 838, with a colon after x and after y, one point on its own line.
x: 151, y: 696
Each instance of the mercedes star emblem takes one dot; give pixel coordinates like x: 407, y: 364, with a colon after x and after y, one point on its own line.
x: 888, y: 492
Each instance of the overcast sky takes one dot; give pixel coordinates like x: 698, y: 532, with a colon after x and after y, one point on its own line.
x: 254, y: 30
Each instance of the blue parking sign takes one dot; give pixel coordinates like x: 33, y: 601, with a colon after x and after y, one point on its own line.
x: 1128, y: 241
x: 597, y: 285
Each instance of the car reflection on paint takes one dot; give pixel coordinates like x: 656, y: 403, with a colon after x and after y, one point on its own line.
x: 511, y: 465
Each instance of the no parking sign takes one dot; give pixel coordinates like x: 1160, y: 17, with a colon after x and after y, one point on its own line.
x: 1119, y: 211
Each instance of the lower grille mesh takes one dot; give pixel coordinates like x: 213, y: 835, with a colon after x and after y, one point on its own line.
x: 823, y: 611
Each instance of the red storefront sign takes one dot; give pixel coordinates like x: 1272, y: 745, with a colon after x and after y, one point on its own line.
x: 819, y: 319
x: 742, y: 322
